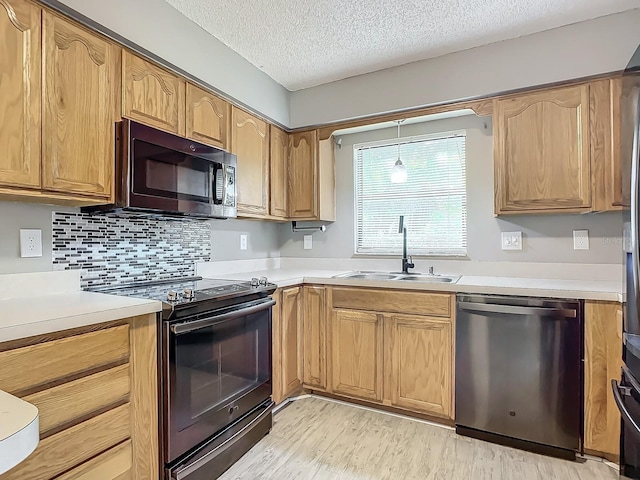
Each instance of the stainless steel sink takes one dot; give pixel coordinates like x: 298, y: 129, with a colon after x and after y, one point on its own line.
x: 429, y: 278
x: 371, y: 276
x: 401, y: 277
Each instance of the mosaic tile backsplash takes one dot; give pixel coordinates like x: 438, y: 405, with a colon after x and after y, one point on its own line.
x: 114, y: 249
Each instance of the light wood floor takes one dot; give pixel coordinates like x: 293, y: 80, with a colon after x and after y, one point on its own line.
x: 317, y: 439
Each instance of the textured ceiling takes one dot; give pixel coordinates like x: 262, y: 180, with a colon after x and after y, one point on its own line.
x: 309, y: 42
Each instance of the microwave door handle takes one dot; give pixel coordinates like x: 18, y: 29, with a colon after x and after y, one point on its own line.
x: 187, y: 327
x: 225, y: 183
x: 212, y: 180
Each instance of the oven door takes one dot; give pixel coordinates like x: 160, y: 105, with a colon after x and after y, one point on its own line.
x: 218, y: 369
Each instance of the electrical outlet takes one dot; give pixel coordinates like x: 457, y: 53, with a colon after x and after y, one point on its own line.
x: 581, y: 239
x: 243, y: 242
x: 308, y: 242
x: 30, y: 242
x: 511, y: 240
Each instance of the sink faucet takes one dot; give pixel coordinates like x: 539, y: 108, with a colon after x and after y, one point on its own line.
x: 407, y: 262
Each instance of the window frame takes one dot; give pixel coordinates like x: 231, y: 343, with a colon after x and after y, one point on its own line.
x: 394, y: 142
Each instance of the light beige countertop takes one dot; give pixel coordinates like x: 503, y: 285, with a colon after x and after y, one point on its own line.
x: 23, y: 314
x: 489, y: 285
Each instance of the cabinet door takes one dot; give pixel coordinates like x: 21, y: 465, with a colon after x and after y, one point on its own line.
x: 276, y: 350
x: 250, y: 142
x: 327, y: 180
x: 604, y: 131
x: 315, y: 338
x: 291, y: 340
x: 542, y: 159
x: 603, y: 360
x: 20, y: 98
x: 279, y: 173
x: 420, y: 368
x: 303, y: 176
x: 614, y: 170
x: 152, y: 95
x: 356, y: 354
x: 207, y: 117
x: 81, y: 82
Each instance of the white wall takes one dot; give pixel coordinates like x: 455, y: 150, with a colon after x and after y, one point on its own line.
x: 546, y: 238
x: 13, y: 217
x: 161, y: 29
x: 262, y: 239
x: 587, y: 48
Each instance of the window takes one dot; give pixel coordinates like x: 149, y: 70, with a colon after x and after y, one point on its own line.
x: 433, y: 200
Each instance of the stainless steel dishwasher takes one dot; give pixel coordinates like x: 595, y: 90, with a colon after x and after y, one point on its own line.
x: 519, y: 372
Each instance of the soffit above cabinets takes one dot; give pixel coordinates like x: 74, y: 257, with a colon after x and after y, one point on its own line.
x: 408, y: 121
x: 310, y: 42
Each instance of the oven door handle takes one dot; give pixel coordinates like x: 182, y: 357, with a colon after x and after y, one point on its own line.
x: 624, y: 411
x: 186, y: 327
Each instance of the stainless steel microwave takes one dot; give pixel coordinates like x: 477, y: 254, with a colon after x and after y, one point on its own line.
x: 158, y: 172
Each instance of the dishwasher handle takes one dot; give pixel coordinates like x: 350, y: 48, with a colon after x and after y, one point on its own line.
x: 517, y: 310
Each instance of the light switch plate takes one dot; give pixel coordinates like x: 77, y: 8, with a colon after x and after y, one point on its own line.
x: 308, y: 242
x: 581, y: 239
x: 511, y: 240
x: 30, y: 242
x: 243, y: 242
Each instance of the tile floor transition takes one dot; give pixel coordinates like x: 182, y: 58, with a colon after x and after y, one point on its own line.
x: 313, y: 438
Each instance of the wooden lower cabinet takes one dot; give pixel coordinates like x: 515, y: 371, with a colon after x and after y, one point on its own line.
x: 603, y: 361
x: 287, y: 343
x: 419, y: 370
x: 315, y: 338
x: 380, y: 350
x: 356, y: 354
x: 96, y: 391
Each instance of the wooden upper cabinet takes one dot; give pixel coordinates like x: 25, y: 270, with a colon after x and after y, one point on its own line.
x: 207, y: 117
x: 356, y: 354
x: 152, y: 95
x: 542, y: 156
x: 20, y: 98
x: 613, y: 172
x: 327, y: 179
x: 419, y: 375
x: 279, y: 172
x: 303, y: 176
x: 250, y: 143
x: 604, y: 137
x: 315, y: 337
x: 81, y: 85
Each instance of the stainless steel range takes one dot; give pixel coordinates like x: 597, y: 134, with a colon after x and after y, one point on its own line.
x: 214, y: 368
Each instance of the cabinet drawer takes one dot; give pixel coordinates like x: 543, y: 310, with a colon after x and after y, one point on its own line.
x: 114, y: 463
x: 418, y: 303
x: 75, y: 401
x: 69, y: 448
x: 52, y: 362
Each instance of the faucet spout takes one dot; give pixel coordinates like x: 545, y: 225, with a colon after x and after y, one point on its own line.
x: 407, y: 262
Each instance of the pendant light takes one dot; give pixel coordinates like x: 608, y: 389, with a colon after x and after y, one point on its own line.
x: 399, y: 171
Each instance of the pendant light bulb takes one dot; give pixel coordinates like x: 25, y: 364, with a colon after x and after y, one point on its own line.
x: 399, y: 171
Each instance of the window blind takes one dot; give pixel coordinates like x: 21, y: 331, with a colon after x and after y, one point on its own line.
x: 433, y: 200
